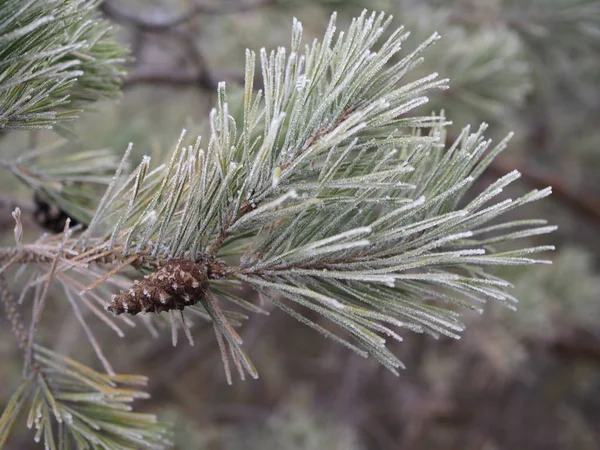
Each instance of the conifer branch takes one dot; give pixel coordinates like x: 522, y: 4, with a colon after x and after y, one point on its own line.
x: 54, y: 58
x: 327, y: 195
x: 340, y: 203
x: 88, y: 408
x: 333, y: 196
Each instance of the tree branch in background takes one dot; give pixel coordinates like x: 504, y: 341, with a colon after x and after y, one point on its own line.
x: 177, y: 27
x: 180, y: 80
x: 188, y: 42
x: 580, y: 203
x: 167, y: 23
x: 576, y: 343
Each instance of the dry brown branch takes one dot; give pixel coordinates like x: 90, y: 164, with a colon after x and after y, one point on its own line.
x: 7, y: 206
x: 573, y: 343
x: 584, y: 205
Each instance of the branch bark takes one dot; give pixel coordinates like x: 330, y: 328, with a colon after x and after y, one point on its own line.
x: 584, y: 205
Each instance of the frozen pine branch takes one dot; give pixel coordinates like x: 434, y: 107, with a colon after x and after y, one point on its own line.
x: 54, y: 57
x: 72, y: 403
x: 328, y: 195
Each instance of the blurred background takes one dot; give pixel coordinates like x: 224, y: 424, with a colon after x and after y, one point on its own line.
x: 516, y: 380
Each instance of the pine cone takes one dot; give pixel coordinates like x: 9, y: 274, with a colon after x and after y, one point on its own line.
x: 49, y: 216
x: 179, y: 283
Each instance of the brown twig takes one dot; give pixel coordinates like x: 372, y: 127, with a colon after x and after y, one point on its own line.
x: 129, y: 261
x: 38, y: 306
x: 574, y: 343
x: 583, y: 204
x: 192, y: 49
x: 177, y: 27
x: 7, y: 206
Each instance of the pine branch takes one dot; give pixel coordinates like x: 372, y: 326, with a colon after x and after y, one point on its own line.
x: 54, y: 58
x: 326, y: 195
x: 85, y: 408
x: 334, y: 198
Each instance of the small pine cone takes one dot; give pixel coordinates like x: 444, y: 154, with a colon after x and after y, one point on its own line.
x: 49, y: 216
x: 179, y: 283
